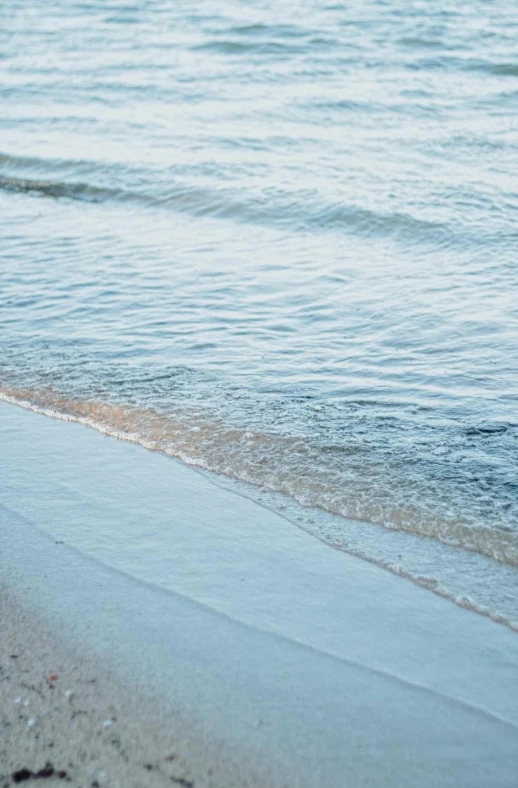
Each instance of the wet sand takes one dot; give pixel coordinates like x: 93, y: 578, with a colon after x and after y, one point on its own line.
x: 65, y: 721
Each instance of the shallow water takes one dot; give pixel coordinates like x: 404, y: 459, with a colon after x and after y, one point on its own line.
x: 279, y: 243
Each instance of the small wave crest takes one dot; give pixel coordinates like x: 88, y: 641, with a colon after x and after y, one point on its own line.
x: 278, y: 463
x: 283, y: 209
x: 208, y: 447
x: 56, y: 189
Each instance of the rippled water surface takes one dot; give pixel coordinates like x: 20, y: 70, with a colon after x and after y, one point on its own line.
x: 279, y: 240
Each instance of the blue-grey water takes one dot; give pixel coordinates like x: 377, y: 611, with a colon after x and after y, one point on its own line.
x: 280, y: 241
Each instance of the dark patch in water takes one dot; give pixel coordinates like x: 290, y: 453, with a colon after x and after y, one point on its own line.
x: 487, y: 429
x: 56, y: 189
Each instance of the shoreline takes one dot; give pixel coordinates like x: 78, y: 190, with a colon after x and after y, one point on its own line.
x: 411, y: 691
x: 402, y: 542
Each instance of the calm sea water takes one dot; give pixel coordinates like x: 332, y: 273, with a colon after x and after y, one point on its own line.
x: 279, y: 241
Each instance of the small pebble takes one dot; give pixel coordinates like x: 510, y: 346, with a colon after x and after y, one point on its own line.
x: 107, y: 723
x: 32, y: 722
x: 17, y: 700
x: 68, y: 694
x: 25, y: 702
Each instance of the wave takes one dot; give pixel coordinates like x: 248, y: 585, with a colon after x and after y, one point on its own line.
x: 189, y: 441
x: 232, y: 46
x: 292, y: 466
x: 281, y: 209
x: 455, y: 62
x: 265, y: 39
x: 260, y: 29
x: 235, y: 47
x: 57, y: 189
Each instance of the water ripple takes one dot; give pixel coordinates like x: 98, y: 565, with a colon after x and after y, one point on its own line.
x: 279, y: 241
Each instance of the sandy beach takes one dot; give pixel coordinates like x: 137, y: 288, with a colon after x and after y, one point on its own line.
x: 64, y: 720
x: 345, y: 675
